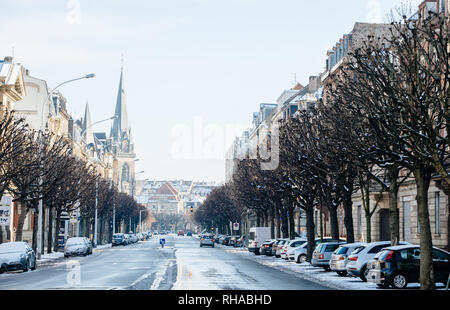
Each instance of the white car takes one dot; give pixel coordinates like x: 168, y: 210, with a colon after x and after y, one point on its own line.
x: 77, y: 246
x: 290, y: 246
x: 358, y: 259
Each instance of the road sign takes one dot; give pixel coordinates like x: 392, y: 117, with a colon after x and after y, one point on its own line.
x: 5, y: 211
x: 235, y: 226
x: 162, y: 241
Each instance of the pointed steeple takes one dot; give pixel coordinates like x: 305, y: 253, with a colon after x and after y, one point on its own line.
x: 86, y: 126
x: 120, y: 125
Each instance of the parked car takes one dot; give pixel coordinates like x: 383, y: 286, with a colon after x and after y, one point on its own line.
x: 322, y: 254
x: 225, y: 240
x: 180, y: 233
x: 289, y: 247
x: 118, y: 239
x: 16, y: 256
x: 189, y: 234
x: 89, y: 244
x: 127, y: 239
x: 275, y: 247
x: 235, y: 241
x: 397, y: 266
x: 299, y: 255
x: 266, y: 247
x: 358, y: 259
x: 77, y: 246
x: 207, y: 239
x: 253, y: 246
x: 339, y: 258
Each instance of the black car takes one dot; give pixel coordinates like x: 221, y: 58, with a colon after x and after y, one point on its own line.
x: 266, y: 248
x: 397, y: 266
x: 226, y: 240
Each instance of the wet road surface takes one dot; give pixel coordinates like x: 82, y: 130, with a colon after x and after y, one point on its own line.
x: 181, y: 264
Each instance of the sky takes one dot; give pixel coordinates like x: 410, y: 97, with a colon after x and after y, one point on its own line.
x: 194, y: 70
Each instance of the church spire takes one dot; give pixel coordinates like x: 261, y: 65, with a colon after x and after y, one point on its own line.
x: 88, y: 134
x: 120, y: 125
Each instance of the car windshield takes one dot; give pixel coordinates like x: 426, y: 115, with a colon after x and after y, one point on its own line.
x: 207, y: 237
x: 358, y: 250
x: 118, y: 236
x: 75, y: 242
x: 342, y: 250
x: 10, y: 247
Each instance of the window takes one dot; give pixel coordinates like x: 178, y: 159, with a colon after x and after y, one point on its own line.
x: 331, y: 247
x: 342, y: 250
x: 410, y: 254
x: 378, y: 248
x: 439, y: 255
x: 437, y: 200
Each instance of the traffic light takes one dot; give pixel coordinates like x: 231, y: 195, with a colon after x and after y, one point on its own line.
x: 192, y: 209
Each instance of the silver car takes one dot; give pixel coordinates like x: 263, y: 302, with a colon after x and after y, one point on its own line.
x: 299, y: 254
x: 77, y: 246
x: 207, y: 239
x: 16, y: 256
x: 358, y: 259
x: 339, y: 258
x: 322, y: 254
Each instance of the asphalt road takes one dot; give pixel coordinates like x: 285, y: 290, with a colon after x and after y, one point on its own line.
x: 181, y: 264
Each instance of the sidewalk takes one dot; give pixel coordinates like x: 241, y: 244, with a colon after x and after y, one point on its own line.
x: 315, y: 274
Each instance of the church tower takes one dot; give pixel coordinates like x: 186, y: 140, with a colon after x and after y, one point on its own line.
x: 122, y: 144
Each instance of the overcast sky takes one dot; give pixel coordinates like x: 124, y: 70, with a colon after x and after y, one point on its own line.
x: 194, y: 70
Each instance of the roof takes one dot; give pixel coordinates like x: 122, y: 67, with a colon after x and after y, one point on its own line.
x: 120, y: 125
x: 356, y: 244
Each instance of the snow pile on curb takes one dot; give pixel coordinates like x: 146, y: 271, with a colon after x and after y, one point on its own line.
x: 104, y: 246
x: 49, y: 257
x: 308, y: 272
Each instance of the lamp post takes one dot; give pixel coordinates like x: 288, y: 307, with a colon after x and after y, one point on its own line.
x: 96, y: 181
x: 39, y: 236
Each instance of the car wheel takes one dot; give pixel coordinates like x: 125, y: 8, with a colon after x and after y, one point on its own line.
x: 34, y: 265
x: 327, y: 268
x: 399, y: 281
x: 342, y: 273
x: 364, y: 274
x: 200, y: 245
x: 301, y: 259
x: 26, y: 266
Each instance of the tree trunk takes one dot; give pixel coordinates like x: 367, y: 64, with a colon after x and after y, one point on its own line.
x: 272, y: 223
x: 50, y: 231
x: 43, y: 230
x: 258, y: 219
x: 348, y: 214
x: 35, y: 230
x: 278, y: 227
x: 284, y: 223
x: 310, y: 232
x: 21, y: 221
x: 334, y: 223
x: 423, y: 178
x: 394, y: 218
x: 57, y: 225
x: 291, y: 223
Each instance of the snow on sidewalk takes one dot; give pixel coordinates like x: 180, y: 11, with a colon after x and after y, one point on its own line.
x: 50, y: 257
x: 308, y: 272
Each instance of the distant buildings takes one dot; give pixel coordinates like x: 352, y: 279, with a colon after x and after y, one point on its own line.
x: 173, y: 196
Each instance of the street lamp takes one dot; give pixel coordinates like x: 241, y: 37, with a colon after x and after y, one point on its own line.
x: 104, y: 120
x: 39, y: 236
